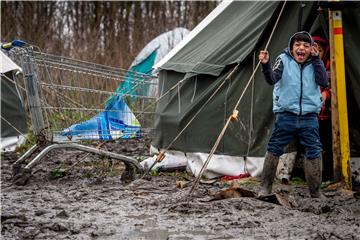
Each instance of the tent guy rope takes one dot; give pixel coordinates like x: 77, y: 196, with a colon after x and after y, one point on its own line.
x: 161, y: 155
x: 159, y: 98
x: 233, y: 117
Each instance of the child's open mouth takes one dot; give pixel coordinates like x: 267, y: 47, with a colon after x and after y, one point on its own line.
x: 300, y: 55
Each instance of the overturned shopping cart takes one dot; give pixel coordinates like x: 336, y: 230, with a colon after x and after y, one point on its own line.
x: 71, y: 100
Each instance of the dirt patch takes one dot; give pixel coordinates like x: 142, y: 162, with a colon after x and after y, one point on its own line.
x: 90, y: 202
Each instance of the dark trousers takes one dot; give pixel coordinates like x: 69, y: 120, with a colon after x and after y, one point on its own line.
x: 289, y: 126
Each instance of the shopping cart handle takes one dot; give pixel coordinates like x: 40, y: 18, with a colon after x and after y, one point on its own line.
x: 15, y: 43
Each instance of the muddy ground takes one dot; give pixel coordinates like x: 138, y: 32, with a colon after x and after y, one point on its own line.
x: 88, y: 201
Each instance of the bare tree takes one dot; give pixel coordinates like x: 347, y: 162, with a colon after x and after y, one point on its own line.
x: 108, y: 32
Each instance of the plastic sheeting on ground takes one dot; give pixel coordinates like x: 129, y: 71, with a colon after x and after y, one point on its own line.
x: 172, y: 160
x: 220, y: 165
x: 9, y: 144
x: 116, y: 121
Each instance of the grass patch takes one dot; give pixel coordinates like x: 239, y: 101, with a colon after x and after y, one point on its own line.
x: 154, y: 173
x: 30, y: 141
x: 57, y: 173
x: 297, y: 181
x: 140, y: 158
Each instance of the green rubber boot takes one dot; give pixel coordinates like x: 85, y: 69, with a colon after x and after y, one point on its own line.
x: 268, y: 174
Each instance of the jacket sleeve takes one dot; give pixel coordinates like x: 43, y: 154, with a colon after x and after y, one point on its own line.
x: 321, y: 77
x: 272, y: 76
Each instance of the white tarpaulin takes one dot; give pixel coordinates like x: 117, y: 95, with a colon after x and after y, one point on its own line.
x: 9, y: 144
x: 224, y: 165
x: 220, y: 165
x: 7, y: 64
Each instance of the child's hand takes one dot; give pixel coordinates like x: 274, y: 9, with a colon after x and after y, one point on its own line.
x: 315, y: 50
x: 264, y: 56
x: 323, y: 97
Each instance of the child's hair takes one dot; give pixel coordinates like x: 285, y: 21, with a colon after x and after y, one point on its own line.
x: 301, y: 37
x: 321, y: 41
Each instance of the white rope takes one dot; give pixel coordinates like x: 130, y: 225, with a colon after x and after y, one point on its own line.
x: 11, y: 125
x: 196, y: 182
x: 166, y: 93
x: 12, y: 81
x: 251, y: 109
x: 195, y: 85
x: 195, y: 115
x: 162, y: 86
x: 179, y: 98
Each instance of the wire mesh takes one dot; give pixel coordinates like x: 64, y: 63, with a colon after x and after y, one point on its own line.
x: 85, y: 100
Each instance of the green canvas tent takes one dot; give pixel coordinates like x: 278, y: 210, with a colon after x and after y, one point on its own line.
x: 13, y: 117
x: 233, y: 34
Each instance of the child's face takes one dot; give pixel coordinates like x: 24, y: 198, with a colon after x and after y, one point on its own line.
x: 301, y: 51
x: 321, y: 51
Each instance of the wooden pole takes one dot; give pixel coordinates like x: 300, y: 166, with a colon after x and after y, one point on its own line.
x: 341, y: 130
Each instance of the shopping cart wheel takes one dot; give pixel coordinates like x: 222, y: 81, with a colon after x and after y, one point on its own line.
x: 16, y: 169
x: 22, y: 177
x: 129, y: 174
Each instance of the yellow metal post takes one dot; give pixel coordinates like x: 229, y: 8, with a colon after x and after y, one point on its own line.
x: 334, y: 110
x: 336, y: 32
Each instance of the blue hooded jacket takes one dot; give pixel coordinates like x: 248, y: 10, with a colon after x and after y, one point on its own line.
x: 296, y: 87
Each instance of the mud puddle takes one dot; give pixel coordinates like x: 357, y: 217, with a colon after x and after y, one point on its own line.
x: 90, y: 202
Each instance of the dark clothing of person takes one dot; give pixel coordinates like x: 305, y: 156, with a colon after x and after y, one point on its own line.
x: 288, y: 126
